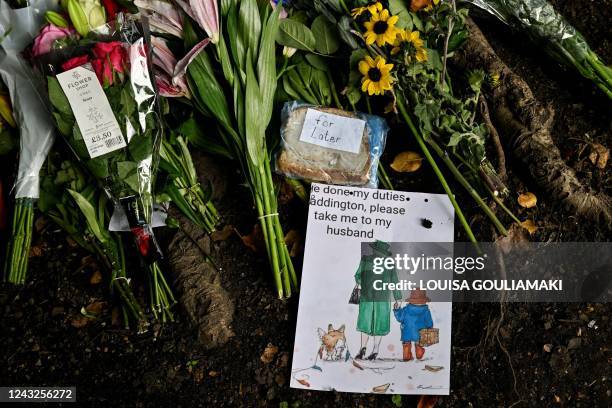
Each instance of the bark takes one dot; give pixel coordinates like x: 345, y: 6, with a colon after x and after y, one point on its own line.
x: 197, y: 281
x: 524, y: 125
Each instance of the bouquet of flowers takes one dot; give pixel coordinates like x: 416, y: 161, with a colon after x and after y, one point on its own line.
x: 559, y: 38
x: 104, y: 103
x: 36, y: 131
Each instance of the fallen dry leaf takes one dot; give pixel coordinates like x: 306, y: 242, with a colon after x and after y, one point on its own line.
x: 96, y: 307
x: 433, y: 369
x: 304, y: 383
x: 285, y: 193
x: 295, y: 243
x: 223, y: 234
x: 517, y: 237
x: 547, y: 348
x: 79, y: 321
x: 407, y: 162
x: 527, y: 200
x: 357, y: 365
x: 530, y: 226
x: 416, y: 5
x: 254, y: 241
x: 269, y: 353
x: 599, y: 155
x: 116, y: 316
x: 427, y: 401
x: 381, y: 388
x: 37, y: 251
x: 95, y: 278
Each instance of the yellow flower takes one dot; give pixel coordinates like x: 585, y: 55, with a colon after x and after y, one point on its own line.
x: 381, y: 29
x: 414, y: 39
x: 421, y: 55
x: 373, y: 8
x: 376, y: 75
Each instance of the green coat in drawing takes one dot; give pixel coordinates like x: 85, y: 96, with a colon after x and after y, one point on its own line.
x: 374, y: 305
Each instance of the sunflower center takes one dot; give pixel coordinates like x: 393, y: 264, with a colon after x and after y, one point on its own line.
x: 380, y: 27
x: 374, y: 74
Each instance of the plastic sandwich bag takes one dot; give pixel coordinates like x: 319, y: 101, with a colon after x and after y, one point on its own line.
x: 330, y: 145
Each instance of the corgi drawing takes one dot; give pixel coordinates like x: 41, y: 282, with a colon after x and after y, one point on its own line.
x: 333, y: 343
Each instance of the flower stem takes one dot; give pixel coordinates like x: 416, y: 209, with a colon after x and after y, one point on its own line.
x: 436, y: 169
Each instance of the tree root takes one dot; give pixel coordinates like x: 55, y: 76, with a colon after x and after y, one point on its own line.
x: 198, y: 284
x: 525, y: 127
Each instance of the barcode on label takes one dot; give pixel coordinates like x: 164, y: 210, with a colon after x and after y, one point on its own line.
x: 114, y: 141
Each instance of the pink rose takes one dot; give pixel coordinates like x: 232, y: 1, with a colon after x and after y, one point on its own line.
x: 47, y: 36
x: 75, y: 62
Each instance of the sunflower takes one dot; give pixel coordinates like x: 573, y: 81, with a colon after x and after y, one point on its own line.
x: 381, y: 28
x: 376, y: 75
x: 416, y: 44
x: 373, y: 8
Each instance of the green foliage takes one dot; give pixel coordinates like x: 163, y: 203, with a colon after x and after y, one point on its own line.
x: 295, y: 34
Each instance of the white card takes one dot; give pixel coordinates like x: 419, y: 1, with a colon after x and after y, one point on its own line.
x: 332, y: 131
x: 92, y: 111
x: 332, y: 256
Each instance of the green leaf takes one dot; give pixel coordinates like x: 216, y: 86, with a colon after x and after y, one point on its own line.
x: 296, y: 35
x: 398, y: 8
x: 90, y: 216
x: 317, y: 61
x: 254, y: 133
x: 344, y: 27
x: 454, y: 139
x: 57, y: 97
x: 266, y: 66
x: 7, y: 142
x: 128, y: 173
x: 249, y: 25
x: 141, y: 146
x: 326, y: 35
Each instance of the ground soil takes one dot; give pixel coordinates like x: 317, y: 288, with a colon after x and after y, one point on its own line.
x: 167, y: 366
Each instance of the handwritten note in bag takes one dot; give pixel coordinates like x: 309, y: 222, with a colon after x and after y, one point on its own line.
x: 332, y: 131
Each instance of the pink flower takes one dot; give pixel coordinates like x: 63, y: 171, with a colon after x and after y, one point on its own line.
x: 75, y: 62
x: 164, y: 64
x: 163, y: 17
x: 47, y: 36
x: 205, y: 13
x: 110, y: 59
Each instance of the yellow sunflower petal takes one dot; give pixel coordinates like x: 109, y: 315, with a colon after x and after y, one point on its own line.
x: 365, y: 84
x: 368, y: 25
x: 370, y: 38
x: 384, y: 15
x: 392, y: 20
x: 372, y: 89
x: 364, y: 67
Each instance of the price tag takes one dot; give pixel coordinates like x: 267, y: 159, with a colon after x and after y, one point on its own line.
x: 332, y: 131
x: 92, y: 111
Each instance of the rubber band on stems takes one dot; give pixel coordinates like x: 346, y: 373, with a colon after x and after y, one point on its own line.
x: 268, y: 215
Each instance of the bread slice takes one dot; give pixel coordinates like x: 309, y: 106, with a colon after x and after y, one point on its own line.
x: 316, y: 163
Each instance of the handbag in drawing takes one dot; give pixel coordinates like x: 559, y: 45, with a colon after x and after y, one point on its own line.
x: 355, y: 295
x: 428, y: 337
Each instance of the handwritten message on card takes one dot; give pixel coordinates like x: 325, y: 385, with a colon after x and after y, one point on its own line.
x: 332, y: 131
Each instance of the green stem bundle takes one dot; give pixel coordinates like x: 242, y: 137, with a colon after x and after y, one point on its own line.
x: 18, y: 250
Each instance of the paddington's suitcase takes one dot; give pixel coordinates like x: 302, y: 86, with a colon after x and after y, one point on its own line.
x: 427, y: 337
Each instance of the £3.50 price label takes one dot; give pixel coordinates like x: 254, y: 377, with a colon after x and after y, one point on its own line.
x: 92, y: 111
